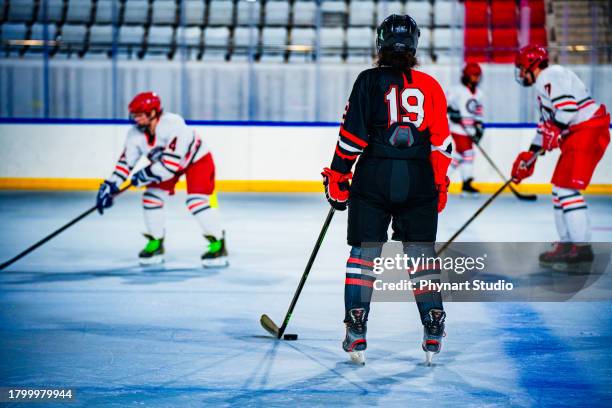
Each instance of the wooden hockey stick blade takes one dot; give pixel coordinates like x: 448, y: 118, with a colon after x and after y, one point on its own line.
x: 269, y: 325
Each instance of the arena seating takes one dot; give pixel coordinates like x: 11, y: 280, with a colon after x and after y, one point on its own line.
x: 269, y: 29
x: 492, y: 28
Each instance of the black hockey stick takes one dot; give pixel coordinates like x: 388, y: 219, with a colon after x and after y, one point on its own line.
x: 526, y: 197
x: 55, y: 233
x: 485, y: 205
x: 265, y: 321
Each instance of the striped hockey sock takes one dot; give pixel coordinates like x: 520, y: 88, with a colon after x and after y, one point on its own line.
x: 426, y: 299
x: 359, y: 282
x: 575, y: 214
x: 199, y: 206
x: 153, y: 206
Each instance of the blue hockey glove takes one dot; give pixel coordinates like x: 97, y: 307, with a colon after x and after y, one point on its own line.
x: 105, y: 196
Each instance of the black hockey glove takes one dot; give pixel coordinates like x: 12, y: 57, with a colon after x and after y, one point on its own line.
x: 478, y: 132
x: 454, y: 115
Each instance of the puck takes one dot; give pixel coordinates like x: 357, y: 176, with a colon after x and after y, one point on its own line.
x: 290, y: 337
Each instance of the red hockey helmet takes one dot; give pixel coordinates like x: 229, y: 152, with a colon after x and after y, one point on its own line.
x: 527, y: 58
x: 145, y: 102
x: 472, y: 68
x: 530, y: 56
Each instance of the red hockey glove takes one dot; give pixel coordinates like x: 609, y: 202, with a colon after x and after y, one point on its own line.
x: 520, y: 169
x: 336, y: 188
x: 551, y: 135
x: 439, y: 163
x: 442, y: 194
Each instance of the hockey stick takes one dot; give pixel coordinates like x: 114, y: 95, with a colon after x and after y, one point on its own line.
x: 265, y: 321
x: 485, y: 205
x: 526, y: 197
x: 55, y: 233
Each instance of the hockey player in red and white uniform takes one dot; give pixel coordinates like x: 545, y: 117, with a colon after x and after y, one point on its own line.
x: 465, y: 116
x: 572, y: 121
x: 173, y: 149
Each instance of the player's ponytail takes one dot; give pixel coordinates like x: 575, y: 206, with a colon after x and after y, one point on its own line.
x: 401, y: 61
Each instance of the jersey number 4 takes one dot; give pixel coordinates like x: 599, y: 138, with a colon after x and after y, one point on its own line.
x: 411, y: 102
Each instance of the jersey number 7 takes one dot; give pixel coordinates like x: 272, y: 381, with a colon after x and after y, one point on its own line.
x: 411, y: 102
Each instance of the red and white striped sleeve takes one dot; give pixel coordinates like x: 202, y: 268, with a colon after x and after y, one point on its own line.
x: 130, y: 155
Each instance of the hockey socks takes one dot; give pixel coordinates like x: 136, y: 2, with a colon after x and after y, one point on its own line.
x: 426, y: 298
x: 199, y: 206
x: 571, y: 216
x: 153, y: 206
x: 359, y: 282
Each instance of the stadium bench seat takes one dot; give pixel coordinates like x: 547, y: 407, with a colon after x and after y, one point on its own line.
x: 361, y: 13
x: 304, y: 12
x: 220, y: 13
x: 164, y: 12
x: 13, y: 32
x: 277, y: 12
x: 73, y: 33
x: 193, y: 12
x: 130, y: 35
x: 385, y: 8
x: 504, y: 42
x: 104, y: 12
x: 135, y: 12
x: 20, y: 11
x: 248, y: 12
x: 503, y: 14
x: 101, y: 34
x: 443, y: 13
x: 160, y: 36
x: 79, y: 11
x: 420, y: 11
x: 188, y: 36
x: 476, y: 13
x: 55, y: 10
x: 360, y: 38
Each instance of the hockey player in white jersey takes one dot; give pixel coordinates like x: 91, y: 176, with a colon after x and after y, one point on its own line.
x: 172, y: 150
x: 572, y: 121
x: 465, y: 116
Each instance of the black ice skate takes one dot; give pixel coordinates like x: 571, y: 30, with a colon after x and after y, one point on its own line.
x: 153, y: 252
x: 433, y: 331
x: 578, y: 258
x: 215, y: 255
x: 467, y: 190
x: 355, y: 341
x: 548, y: 258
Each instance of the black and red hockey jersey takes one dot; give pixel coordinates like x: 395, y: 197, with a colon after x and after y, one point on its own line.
x: 392, y: 114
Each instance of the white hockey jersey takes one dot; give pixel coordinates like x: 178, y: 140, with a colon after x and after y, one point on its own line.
x: 181, y: 146
x: 469, y: 105
x: 562, y: 98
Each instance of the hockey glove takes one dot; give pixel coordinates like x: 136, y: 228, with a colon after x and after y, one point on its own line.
x: 442, y: 194
x: 454, y: 115
x: 551, y: 135
x: 478, y: 132
x: 336, y: 188
x: 520, y: 169
x: 105, y: 195
x: 144, y: 177
x: 155, y: 154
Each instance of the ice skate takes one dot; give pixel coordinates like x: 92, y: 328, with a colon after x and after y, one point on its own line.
x: 153, y: 252
x: 216, y: 253
x: 577, y: 258
x: 355, y: 342
x: 467, y: 190
x: 433, y: 331
x: 548, y: 258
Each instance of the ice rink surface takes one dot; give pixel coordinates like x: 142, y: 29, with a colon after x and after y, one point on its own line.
x: 79, y: 312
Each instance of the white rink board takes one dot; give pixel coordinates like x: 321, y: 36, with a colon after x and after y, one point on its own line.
x: 240, y: 152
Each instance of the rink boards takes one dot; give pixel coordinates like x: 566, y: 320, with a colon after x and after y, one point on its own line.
x: 250, y: 156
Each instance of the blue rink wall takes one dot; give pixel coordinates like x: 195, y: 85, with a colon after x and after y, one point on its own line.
x: 250, y: 156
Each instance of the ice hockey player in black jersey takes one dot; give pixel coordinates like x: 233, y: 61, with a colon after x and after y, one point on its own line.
x: 395, y: 122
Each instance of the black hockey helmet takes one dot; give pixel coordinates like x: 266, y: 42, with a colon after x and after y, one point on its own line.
x: 398, y: 33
